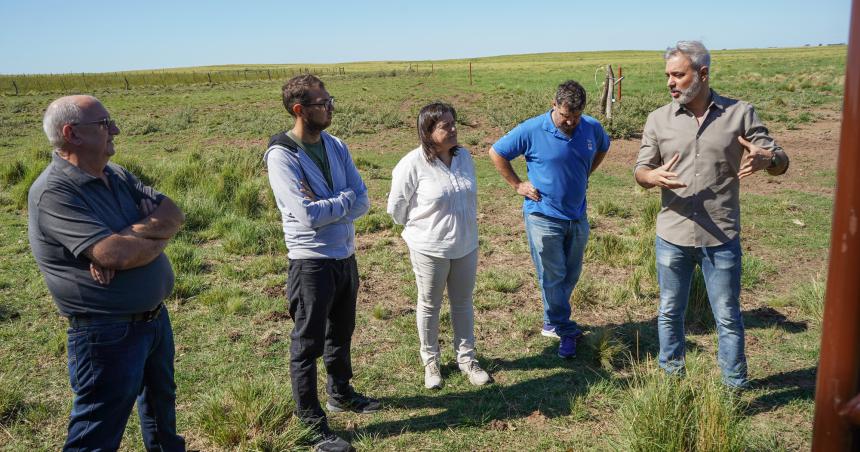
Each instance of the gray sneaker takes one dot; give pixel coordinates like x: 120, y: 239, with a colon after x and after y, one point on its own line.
x: 477, y: 376
x: 432, y: 376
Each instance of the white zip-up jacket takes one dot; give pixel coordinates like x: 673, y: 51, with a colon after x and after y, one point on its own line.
x: 437, y: 205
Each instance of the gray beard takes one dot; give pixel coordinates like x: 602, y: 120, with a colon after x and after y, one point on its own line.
x: 690, y: 93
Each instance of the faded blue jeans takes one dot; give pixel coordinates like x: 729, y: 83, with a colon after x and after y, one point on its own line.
x: 557, y: 247
x: 112, y: 365
x: 721, y: 268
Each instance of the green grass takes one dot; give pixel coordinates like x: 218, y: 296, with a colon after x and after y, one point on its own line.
x: 202, y: 144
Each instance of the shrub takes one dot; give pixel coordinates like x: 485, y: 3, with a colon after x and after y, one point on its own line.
x: 250, y: 414
x: 373, y: 221
x: 670, y: 413
x: 809, y: 298
x: 607, y: 349
x: 610, y: 209
x: 650, y: 211
x: 12, y: 404
x: 12, y: 173
x: 499, y: 281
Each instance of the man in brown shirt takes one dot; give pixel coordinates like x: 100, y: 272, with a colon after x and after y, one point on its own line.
x: 696, y: 149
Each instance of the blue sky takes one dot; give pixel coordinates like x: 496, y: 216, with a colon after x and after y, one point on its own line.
x: 40, y: 36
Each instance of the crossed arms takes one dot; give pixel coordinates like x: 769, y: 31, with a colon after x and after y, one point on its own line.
x: 138, y: 244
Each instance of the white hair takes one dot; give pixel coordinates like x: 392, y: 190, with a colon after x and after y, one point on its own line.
x: 62, y: 111
x: 694, y: 50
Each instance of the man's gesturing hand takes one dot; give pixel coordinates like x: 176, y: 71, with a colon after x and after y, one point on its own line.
x: 662, y: 176
x: 757, y: 159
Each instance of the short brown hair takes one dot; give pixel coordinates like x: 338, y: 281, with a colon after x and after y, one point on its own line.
x: 295, y: 91
x: 570, y: 94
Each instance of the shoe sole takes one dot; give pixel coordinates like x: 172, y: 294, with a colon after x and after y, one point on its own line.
x: 434, y: 387
x: 546, y: 333
x: 335, y: 409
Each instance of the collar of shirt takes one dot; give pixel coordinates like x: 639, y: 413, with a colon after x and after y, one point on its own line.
x: 75, y: 174
x: 717, y: 101
x: 550, y: 127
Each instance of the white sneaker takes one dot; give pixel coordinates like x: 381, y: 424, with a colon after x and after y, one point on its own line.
x: 477, y: 376
x: 432, y: 376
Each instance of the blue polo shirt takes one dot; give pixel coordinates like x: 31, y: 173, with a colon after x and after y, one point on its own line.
x: 558, y: 166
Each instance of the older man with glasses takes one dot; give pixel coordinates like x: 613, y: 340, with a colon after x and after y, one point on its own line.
x: 98, y: 235
x: 319, y: 193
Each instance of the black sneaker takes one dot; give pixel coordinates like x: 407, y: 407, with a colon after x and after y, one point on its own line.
x: 324, y: 440
x: 357, y: 403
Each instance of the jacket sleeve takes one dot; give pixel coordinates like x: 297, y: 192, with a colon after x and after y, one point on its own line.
x: 353, y: 179
x: 403, y: 186
x: 285, y: 177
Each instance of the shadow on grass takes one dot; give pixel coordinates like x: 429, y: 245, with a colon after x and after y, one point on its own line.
x: 783, y: 388
x: 533, y: 400
x: 7, y: 314
x: 550, y: 395
x: 767, y: 317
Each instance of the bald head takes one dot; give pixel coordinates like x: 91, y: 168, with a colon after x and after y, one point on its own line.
x: 65, y: 110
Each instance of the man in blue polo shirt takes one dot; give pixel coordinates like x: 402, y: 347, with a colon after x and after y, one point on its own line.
x: 562, y: 147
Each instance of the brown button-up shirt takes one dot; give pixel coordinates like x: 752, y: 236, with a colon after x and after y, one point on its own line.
x: 707, y: 211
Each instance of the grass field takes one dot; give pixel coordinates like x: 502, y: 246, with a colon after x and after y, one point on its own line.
x: 202, y: 143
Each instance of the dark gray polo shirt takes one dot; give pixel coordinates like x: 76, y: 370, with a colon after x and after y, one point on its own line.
x: 69, y: 211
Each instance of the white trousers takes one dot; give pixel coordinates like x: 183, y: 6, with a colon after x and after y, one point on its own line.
x: 432, y: 274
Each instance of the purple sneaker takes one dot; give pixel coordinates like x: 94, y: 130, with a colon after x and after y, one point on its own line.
x: 567, y: 347
x: 549, y: 331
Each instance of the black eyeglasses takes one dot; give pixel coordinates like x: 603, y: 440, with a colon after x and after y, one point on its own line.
x: 328, y: 104
x: 107, y: 123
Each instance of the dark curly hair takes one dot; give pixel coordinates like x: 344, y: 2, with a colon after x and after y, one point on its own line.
x: 570, y: 94
x: 295, y: 91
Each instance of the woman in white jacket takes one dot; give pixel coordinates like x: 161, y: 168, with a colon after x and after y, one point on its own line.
x: 434, y: 195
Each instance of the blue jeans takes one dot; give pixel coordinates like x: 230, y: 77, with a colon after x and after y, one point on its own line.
x: 557, y: 247
x: 110, y: 366
x: 721, y: 268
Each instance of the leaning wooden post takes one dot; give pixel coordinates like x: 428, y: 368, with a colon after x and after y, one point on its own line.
x: 16, y: 87
x: 127, y: 87
x: 837, y: 404
x: 610, y: 91
x: 604, y: 92
x: 470, y: 73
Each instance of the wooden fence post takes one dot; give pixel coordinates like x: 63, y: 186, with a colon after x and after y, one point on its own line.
x: 610, y: 91
x: 209, y: 76
x: 126, y: 84
x: 470, y: 73
x: 620, y: 78
x: 604, y: 91
x: 16, y: 87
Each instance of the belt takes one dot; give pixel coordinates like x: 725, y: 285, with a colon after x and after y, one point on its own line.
x: 76, y: 321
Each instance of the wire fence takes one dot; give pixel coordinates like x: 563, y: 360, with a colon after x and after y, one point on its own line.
x: 15, y: 85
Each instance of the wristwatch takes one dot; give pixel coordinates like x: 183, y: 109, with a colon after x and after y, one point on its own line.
x: 774, y: 161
